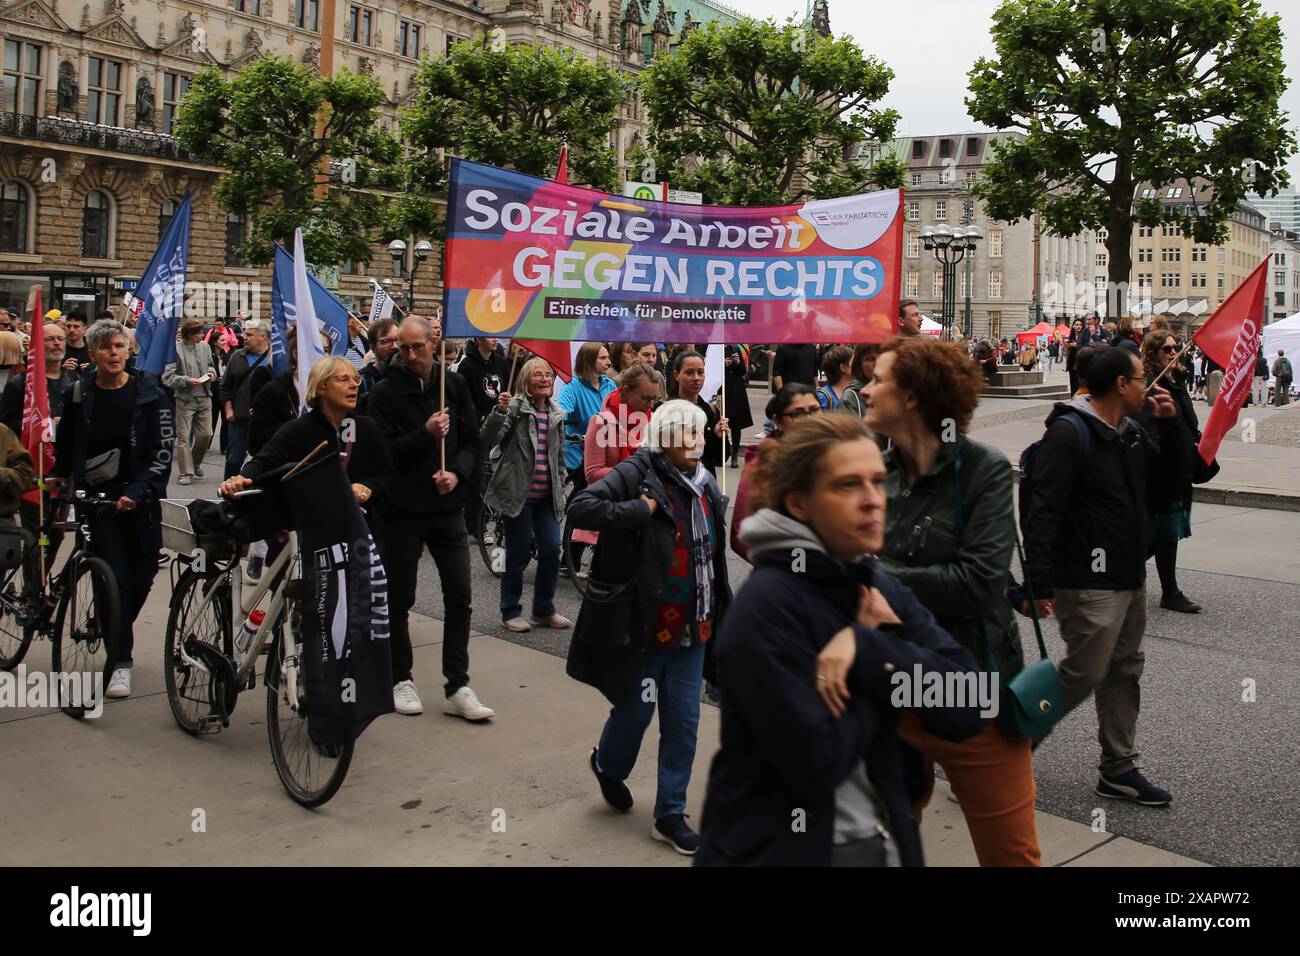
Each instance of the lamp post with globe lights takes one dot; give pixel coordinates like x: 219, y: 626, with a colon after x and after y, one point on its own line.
x: 950, y: 246
x: 397, y: 249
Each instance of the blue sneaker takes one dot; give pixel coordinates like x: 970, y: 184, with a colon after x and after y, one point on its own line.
x: 1135, y: 787
x: 673, y: 830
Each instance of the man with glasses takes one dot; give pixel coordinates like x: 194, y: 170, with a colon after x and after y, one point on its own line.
x: 382, y: 339
x: 237, y: 389
x: 428, y: 510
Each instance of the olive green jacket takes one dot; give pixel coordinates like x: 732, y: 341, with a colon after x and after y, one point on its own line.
x: 957, y: 565
x: 16, y: 472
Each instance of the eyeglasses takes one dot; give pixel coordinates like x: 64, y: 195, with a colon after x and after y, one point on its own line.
x: 800, y: 413
x: 417, y: 347
x: 390, y: 342
x: 1169, y: 348
x: 345, y: 379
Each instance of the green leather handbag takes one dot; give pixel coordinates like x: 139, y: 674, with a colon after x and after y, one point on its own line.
x: 1032, y: 701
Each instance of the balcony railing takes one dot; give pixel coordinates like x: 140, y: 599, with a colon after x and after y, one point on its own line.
x: 70, y: 132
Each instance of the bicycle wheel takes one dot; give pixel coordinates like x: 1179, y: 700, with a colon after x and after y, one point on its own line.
x: 189, y: 688
x: 492, y: 541
x: 85, y: 629
x: 311, y: 773
x: 16, y: 628
x: 579, y: 567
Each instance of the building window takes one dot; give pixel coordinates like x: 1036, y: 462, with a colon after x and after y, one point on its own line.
x: 1200, y: 280
x: 453, y: 40
x: 1144, y: 232
x: 1279, y: 258
x: 971, y: 177
x: 249, y: 6
x: 236, y: 234
x: 972, y: 146
x: 914, y: 211
x: 1279, y: 278
x: 916, y: 179
x: 308, y: 14
x: 941, y: 210
x: 1171, y: 255
x: 166, y: 213
x: 103, y: 91
x: 175, y: 86
x: 1169, y: 229
x: 96, y: 225
x: 1220, y: 283
x: 1221, y: 253
x: 360, y: 25
x: 995, y: 283
x: 912, y: 285
x: 1144, y: 280
x: 22, y: 78
x: 1174, y: 192
x: 995, y: 325
x: 918, y: 149
x: 1101, y: 237
x: 1279, y: 298
x: 1198, y: 253
x: 1101, y: 259
x: 15, y: 210
x: 1168, y: 280
x: 408, y: 39
x: 936, y: 285
x: 995, y: 243
x: 1148, y: 193
x: 945, y: 148
x: 913, y: 245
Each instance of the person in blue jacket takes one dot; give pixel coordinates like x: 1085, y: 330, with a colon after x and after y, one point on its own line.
x: 814, y: 660
x: 116, y: 438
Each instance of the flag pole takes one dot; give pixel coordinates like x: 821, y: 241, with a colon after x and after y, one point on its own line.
x: 34, y: 307
x: 442, y: 401
x: 722, y: 408
x: 1165, y: 371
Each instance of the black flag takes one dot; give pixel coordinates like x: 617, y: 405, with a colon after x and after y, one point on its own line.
x: 346, y: 652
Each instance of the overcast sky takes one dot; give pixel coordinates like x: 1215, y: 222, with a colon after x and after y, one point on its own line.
x: 932, y: 45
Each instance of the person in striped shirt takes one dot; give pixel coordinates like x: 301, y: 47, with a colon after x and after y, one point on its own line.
x: 525, y: 438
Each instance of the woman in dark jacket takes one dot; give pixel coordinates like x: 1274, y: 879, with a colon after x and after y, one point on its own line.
x: 739, y: 416
x: 1077, y: 340
x: 686, y: 381
x: 949, y: 537
x: 332, y: 389
x: 815, y: 657
x: 1169, y: 488
x: 656, y: 596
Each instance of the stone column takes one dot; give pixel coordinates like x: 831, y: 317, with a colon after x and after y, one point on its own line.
x: 52, y: 60
x: 83, y: 78
x: 128, y: 96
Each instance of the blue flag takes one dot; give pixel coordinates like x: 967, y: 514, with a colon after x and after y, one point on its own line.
x: 330, y: 312
x: 159, y: 299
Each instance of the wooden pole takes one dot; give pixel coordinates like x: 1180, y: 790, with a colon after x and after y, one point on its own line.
x: 722, y: 410
x: 1165, y: 370
x: 442, y: 401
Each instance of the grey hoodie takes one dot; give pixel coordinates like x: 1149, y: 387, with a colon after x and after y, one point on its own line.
x: 1083, y: 403
x: 768, y: 530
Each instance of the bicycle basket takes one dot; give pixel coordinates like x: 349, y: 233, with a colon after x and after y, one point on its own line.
x: 184, y: 535
x: 14, y: 542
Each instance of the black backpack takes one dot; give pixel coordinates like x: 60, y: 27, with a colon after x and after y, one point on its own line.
x: 1030, y: 455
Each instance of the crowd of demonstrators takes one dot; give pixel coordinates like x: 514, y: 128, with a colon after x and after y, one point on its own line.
x: 949, y: 537
x: 428, y: 509
x: 806, y: 653
x: 190, y: 377
x: 793, y: 404
x: 685, y: 383
x: 1087, y: 562
x: 524, y: 436
x: 616, y: 432
x: 645, y: 643
x: 236, y: 392
x: 115, y: 437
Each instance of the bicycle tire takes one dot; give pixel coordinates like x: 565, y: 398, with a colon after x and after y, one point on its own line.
x: 213, y: 630
x: 79, y: 642
x: 494, y: 555
x: 15, y: 637
x: 310, y: 794
x: 579, y: 572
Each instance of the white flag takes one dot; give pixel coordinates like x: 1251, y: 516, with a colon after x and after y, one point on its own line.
x: 304, y: 317
x: 381, y: 305
x: 714, y: 371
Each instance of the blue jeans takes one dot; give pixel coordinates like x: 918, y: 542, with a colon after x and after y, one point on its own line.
x: 537, y: 518
x: 238, y: 447
x: 673, y: 676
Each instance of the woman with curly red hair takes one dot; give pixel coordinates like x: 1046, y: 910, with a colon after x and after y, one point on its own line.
x: 949, y: 535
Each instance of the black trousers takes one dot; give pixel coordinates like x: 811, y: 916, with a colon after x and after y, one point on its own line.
x: 406, y: 536
x: 1166, y: 555
x: 30, y: 517
x: 130, y: 543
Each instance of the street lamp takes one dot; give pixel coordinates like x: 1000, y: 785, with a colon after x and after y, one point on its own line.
x: 397, y: 249
x: 950, y: 246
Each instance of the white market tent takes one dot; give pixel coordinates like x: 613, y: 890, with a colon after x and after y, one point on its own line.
x: 1283, y: 334
x: 931, y: 327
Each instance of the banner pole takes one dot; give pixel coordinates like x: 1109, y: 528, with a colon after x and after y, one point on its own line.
x: 442, y: 401
x: 722, y: 408
x: 1165, y: 371
x: 513, y: 363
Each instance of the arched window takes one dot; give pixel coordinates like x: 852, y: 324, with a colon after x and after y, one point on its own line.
x: 166, y: 213
x: 96, y: 225
x: 15, y: 216
x: 236, y: 233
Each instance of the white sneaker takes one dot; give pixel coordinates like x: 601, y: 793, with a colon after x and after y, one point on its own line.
x: 465, y: 703
x: 518, y: 625
x: 119, y: 685
x: 406, y: 700
x: 557, y: 621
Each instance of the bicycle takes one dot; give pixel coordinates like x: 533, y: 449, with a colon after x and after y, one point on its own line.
x: 76, y: 608
x: 205, y: 669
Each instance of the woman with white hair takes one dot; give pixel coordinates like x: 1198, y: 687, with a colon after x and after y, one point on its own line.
x: 656, y: 596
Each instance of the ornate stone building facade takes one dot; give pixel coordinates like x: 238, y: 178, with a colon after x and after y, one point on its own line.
x: 89, y: 172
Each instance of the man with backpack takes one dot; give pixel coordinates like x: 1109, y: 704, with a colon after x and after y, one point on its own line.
x: 1084, y: 518
x: 1282, y: 372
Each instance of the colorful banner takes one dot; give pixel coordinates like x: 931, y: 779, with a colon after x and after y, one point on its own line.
x: 532, y: 258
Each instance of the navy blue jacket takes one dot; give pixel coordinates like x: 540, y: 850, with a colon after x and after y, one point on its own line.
x: 782, y: 751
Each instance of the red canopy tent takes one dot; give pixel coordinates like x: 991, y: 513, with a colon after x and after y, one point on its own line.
x: 1040, y: 331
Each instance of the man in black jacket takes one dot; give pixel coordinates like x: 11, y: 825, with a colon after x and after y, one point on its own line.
x: 237, y: 391
x: 1086, y: 549
x: 429, y: 507
x: 485, y: 370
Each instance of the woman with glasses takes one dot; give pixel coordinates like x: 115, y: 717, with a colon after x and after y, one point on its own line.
x: 1169, y: 488
x: 793, y: 404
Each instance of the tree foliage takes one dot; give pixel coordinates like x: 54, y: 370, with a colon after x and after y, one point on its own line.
x: 261, y: 126
x: 1116, y: 93
x: 757, y: 113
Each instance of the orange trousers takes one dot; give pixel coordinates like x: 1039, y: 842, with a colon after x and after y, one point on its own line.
x: 992, y: 775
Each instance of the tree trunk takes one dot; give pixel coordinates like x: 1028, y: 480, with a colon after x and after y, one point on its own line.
x: 1119, y: 249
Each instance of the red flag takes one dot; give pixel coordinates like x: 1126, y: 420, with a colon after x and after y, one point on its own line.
x: 37, y: 429
x: 1231, y: 339
x: 562, y: 167
x: 556, y: 353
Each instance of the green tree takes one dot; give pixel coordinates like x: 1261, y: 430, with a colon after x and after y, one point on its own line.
x: 1116, y: 93
x: 261, y: 126
x: 513, y: 106
x: 754, y: 113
